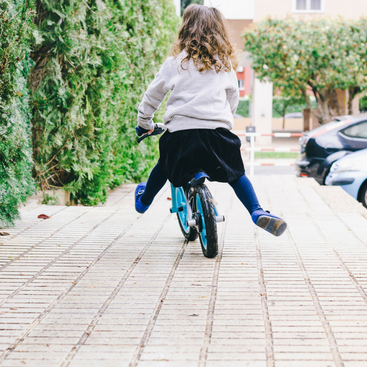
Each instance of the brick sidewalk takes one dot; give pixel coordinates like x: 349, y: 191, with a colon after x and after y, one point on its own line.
x: 105, y: 286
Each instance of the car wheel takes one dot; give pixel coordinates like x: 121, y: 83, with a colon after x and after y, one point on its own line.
x: 326, y: 173
x: 362, y: 197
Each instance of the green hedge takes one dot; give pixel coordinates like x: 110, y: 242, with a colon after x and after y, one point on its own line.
x: 16, y: 182
x: 93, y: 62
x: 74, y: 73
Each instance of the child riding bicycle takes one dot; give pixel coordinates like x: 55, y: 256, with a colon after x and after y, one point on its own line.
x: 199, y: 115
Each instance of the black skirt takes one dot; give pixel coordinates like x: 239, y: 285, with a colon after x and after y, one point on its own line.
x: 216, y: 152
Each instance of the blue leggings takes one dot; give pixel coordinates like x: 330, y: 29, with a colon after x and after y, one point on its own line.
x: 242, y: 187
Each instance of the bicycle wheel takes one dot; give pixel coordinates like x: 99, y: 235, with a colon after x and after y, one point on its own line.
x: 208, y: 224
x: 190, y: 233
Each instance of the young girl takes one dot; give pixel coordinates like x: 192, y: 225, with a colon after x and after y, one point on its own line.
x: 199, y: 115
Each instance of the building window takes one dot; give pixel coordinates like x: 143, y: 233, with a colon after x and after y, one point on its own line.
x: 315, y: 5
x: 241, y: 84
x: 301, y: 5
x: 308, y: 6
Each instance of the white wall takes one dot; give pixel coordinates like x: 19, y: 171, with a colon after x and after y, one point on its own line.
x: 177, y: 4
x: 234, y: 9
x: 262, y: 99
x: 351, y: 9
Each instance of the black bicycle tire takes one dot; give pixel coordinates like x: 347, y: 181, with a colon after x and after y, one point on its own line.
x: 192, y: 235
x: 208, y: 216
x: 363, y: 194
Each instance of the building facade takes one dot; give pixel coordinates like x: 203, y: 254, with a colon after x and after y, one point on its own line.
x: 353, y: 9
x: 240, y: 14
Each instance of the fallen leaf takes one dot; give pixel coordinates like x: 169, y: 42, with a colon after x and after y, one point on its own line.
x: 4, y: 234
x: 169, y: 198
x: 19, y: 95
x: 43, y: 216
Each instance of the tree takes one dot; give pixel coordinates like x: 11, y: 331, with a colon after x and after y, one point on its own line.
x: 282, y: 105
x: 186, y: 3
x: 319, y: 56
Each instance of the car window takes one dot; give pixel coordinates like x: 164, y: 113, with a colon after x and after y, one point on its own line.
x: 357, y: 130
x: 328, y: 126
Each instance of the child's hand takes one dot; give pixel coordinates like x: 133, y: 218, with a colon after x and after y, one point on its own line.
x: 141, y: 131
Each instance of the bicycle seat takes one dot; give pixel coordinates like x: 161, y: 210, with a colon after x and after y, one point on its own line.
x: 198, y: 179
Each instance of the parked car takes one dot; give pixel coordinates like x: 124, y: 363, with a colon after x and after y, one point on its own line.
x: 350, y: 173
x: 321, y: 147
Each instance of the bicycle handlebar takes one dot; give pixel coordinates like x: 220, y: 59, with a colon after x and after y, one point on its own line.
x: 158, y: 129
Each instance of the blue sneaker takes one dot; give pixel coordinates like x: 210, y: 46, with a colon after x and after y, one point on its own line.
x: 139, y: 191
x: 271, y: 223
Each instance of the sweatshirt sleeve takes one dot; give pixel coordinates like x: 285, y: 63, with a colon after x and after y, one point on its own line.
x: 152, y: 100
x: 233, y: 93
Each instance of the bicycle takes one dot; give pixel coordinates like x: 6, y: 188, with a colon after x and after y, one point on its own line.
x: 194, y: 205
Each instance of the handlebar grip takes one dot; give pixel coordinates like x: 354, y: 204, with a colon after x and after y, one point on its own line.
x: 140, y: 131
x: 157, y: 131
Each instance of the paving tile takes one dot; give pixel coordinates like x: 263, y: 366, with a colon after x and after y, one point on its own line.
x: 106, y: 286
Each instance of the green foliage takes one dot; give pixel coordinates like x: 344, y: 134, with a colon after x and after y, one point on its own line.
x: 50, y: 199
x: 275, y: 155
x: 16, y: 182
x: 318, y: 55
x: 93, y: 62
x: 284, y: 105
x: 281, y: 106
x: 363, y: 104
x: 186, y: 3
x: 243, y: 108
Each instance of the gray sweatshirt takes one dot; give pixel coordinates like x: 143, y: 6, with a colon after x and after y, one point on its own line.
x: 206, y: 100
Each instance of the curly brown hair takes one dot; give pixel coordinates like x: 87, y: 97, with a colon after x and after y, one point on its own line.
x: 204, y: 36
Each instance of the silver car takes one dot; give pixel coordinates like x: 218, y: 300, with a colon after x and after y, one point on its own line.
x: 350, y: 173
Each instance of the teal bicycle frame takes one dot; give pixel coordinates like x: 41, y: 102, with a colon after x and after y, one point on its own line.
x: 180, y: 203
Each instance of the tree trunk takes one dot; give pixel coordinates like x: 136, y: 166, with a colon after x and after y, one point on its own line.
x: 336, y: 102
x: 324, y: 108
x: 285, y: 106
x: 312, y: 111
x: 353, y: 91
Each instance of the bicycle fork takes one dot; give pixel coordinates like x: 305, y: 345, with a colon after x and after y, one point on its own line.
x: 192, y: 220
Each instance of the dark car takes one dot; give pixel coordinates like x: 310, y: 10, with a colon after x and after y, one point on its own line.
x: 321, y: 147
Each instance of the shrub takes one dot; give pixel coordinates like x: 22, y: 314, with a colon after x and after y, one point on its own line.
x: 93, y: 62
x: 16, y: 182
